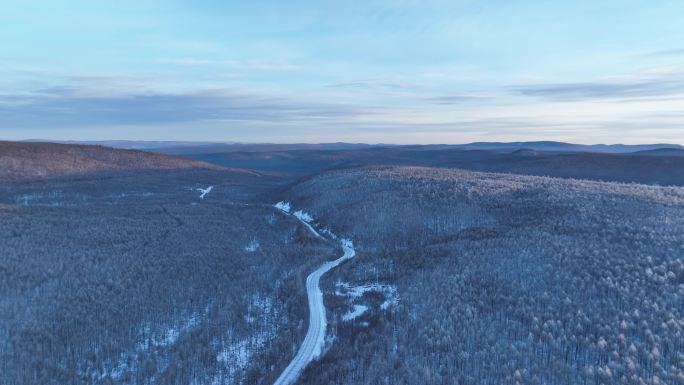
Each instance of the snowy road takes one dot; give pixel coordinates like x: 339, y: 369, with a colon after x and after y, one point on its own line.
x: 303, y: 217
x: 312, y: 347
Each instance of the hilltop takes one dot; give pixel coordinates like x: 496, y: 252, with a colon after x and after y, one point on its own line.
x: 40, y: 160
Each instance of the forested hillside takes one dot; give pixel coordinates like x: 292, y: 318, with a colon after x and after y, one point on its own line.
x: 150, y: 276
x: 661, y: 166
x: 130, y: 268
x: 34, y: 160
x: 501, y: 279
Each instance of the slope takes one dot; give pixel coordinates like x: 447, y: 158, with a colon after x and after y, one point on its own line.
x: 31, y: 160
x: 502, y: 278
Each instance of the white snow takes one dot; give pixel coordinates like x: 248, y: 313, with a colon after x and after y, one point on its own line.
x: 356, y: 313
x: 358, y: 291
x: 165, y: 336
x: 204, y: 191
x: 41, y: 198
x: 354, y: 293
x: 303, y: 216
x: 283, y: 206
x: 235, y: 352
x: 252, y: 246
x: 390, y: 302
x: 306, y: 219
x: 313, y: 231
x: 151, y: 337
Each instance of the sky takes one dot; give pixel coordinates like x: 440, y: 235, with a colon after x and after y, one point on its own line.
x: 377, y: 71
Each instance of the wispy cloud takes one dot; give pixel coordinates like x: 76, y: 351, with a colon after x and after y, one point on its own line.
x: 667, y: 52
x: 61, y: 107
x: 656, y: 86
x: 457, y: 99
x: 264, y: 65
x: 372, y: 85
x: 189, y: 61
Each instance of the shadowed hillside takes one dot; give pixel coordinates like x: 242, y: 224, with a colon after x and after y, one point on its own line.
x: 655, y: 167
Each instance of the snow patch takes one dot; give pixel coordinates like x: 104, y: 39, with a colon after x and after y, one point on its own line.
x: 390, y: 301
x: 283, y: 206
x: 252, y: 246
x: 39, y: 198
x: 165, y: 336
x: 204, y: 191
x: 235, y: 353
x: 355, y: 293
x: 152, y: 338
x: 355, y: 313
x: 303, y: 216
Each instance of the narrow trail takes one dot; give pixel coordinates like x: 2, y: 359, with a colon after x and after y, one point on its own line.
x: 313, y: 344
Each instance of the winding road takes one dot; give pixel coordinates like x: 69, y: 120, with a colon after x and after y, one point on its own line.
x: 313, y: 344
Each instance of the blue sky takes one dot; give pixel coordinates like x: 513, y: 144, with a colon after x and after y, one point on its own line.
x: 401, y: 71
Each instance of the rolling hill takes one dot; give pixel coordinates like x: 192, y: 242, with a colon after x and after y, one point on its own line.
x: 125, y: 267
x: 35, y: 160
x: 501, y: 279
x: 654, y: 167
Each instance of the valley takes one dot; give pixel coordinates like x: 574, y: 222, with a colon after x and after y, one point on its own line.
x: 178, y: 271
x: 414, y: 192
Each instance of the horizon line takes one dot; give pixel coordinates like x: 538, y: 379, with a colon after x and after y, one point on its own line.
x: 210, y: 142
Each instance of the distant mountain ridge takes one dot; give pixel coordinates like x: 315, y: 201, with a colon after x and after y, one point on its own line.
x: 206, y: 147
x: 126, y: 144
x: 570, y: 147
x: 262, y: 147
x: 646, y: 164
x: 662, y: 152
x: 653, y: 167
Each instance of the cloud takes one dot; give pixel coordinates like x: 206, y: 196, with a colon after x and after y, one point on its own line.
x: 101, y: 107
x: 626, y: 89
x: 270, y: 65
x: 457, y: 99
x: 668, y: 52
x: 263, y: 65
x: 67, y: 107
x: 371, y: 85
x: 189, y: 61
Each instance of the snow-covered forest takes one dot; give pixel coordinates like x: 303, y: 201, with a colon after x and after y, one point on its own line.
x: 197, y: 276
x: 505, y: 279
x: 138, y: 279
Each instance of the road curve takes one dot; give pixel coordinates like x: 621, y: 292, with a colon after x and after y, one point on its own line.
x: 312, y: 347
